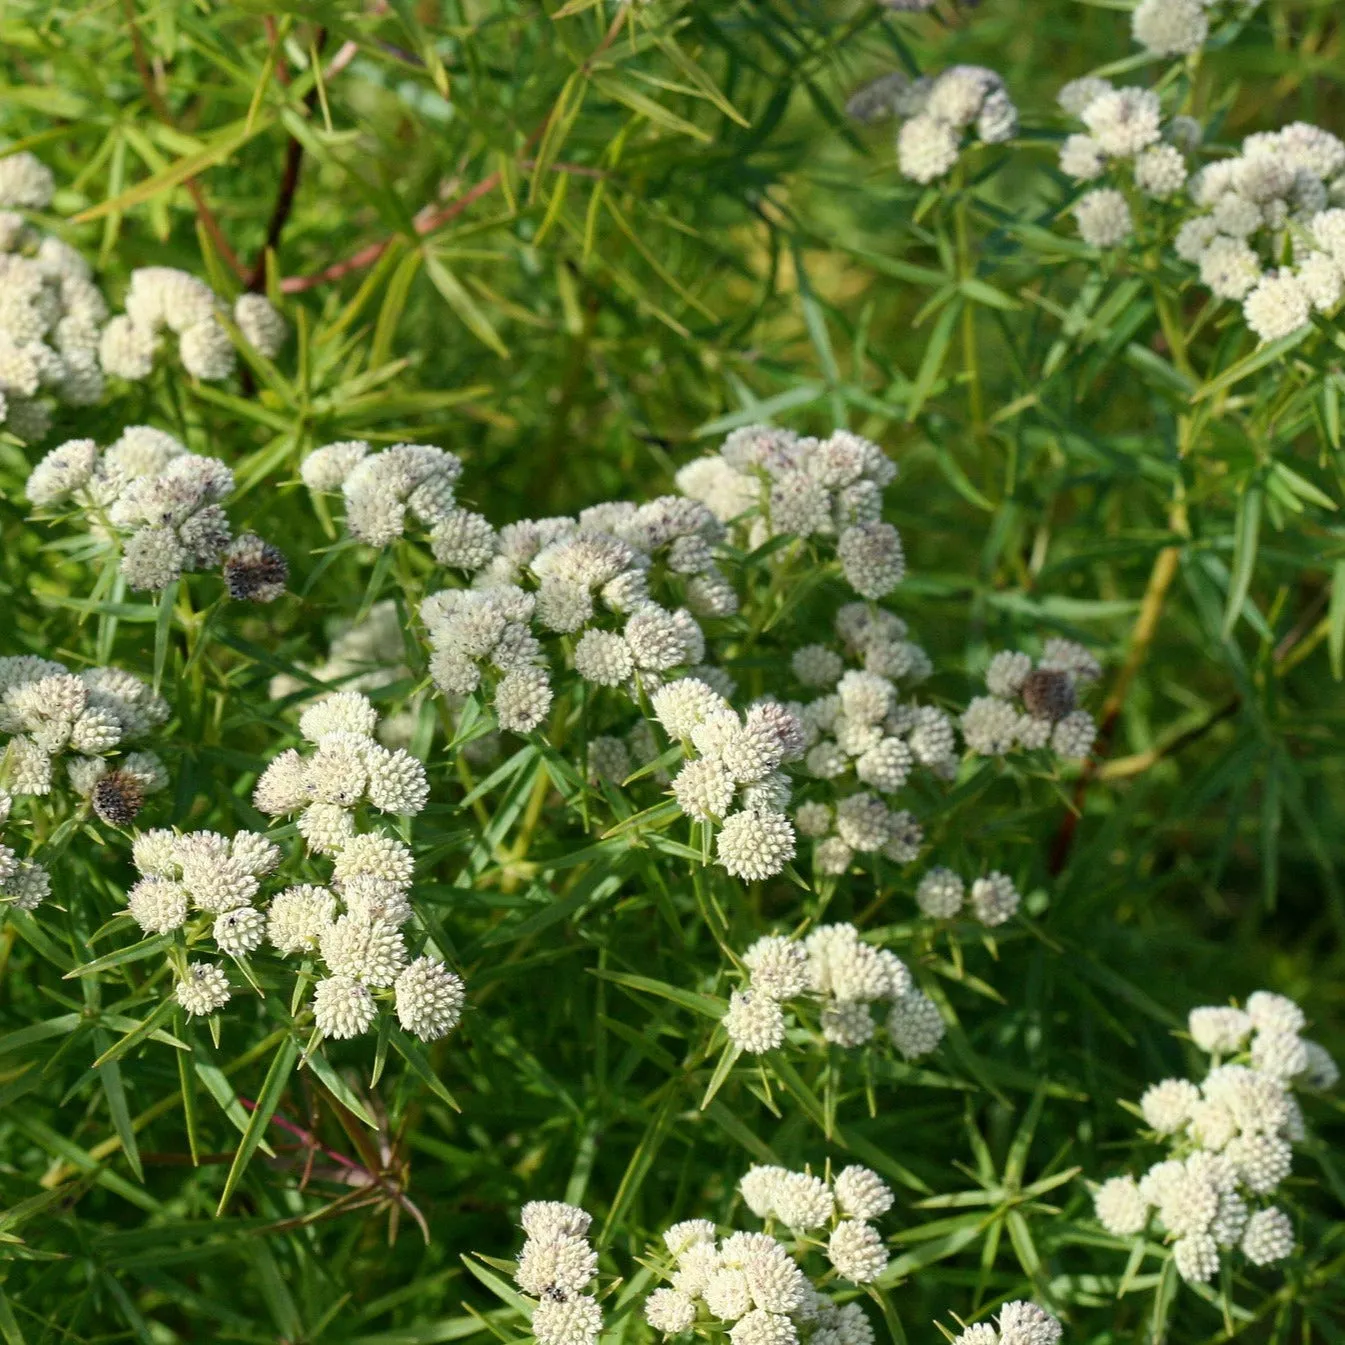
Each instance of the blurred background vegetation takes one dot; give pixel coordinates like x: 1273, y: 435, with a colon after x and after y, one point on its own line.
x: 576, y: 246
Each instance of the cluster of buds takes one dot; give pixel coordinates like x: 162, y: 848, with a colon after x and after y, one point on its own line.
x: 163, y: 505
x: 164, y: 302
x: 834, y: 971
x: 753, y: 1287
x: 731, y: 776
x: 766, y: 482
x: 1229, y: 1138
x: 51, y: 312
x: 555, y: 1269
x: 51, y: 713
x: 24, y: 883
x: 1034, y: 705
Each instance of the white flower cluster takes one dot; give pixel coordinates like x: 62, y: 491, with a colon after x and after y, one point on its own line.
x: 766, y: 482
x: 356, y: 924
x: 835, y: 970
x: 347, y: 767
x: 1033, y: 706
x: 555, y: 1268
x: 1270, y: 198
x: 214, y: 876
x: 48, y: 712
x: 752, y: 1287
x: 161, y: 501
x: 1180, y: 27
x: 1230, y: 1140
x: 992, y: 899
x: 846, y: 1206
x: 24, y: 883
x: 861, y: 738
x: 382, y: 489
x: 51, y: 311
x: 731, y: 776
x: 161, y: 300
x: 1126, y: 142
x: 963, y: 100
x: 1018, y: 1323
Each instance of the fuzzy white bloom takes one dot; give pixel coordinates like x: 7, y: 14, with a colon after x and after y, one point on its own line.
x: 1279, y: 1054
x: 940, y: 893
x: 861, y: 1193
x: 1229, y: 268
x: 1270, y: 1012
x: 1170, y: 27
x: 669, y: 1311
x: 371, y: 951
x: 555, y: 1266
x: 205, y: 989
x: 397, y: 782
x: 342, y: 1007
x: 778, y: 967
x: 926, y: 148
x: 915, y: 1024
x: 1081, y: 158
x: 759, y: 1327
x: 1262, y: 1161
x: 576, y: 1320
x: 856, y: 1250
x: 1160, y: 171
x: 994, y: 898
x: 342, y: 712
x: 1321, y: 277
x: 1103, y: 217
x: 1279, y: 306
x: 1219, y: 1029
x: 157, y: 905
x: 1124, y: 121
x: 754, y: 844
x: 325, y: 469
x: 759, y: 1186
x: 1167, y: 1106
x: 1078, y: 93
x: 262, y: 326
x: 1196, y: 1257
x: 1022, y: 1323
x: 1074, y: 735
x: 298, y: 916
x: 990, y: 726
x: 604, y: 658
x: 817, y: 666
x: 872, y: 558
x: 754, y: 1021
x: 1269, y: 1237
x: 1121, y: 1209
x: 25, y: 182
x: 429, y: 999
x: 546, y: 1220
x: 240, y: 931
x: 803, y: 1201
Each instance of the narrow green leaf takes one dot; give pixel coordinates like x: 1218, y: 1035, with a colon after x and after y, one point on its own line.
x: 287, y: 1054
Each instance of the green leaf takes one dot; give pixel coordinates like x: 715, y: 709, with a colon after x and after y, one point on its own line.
x: 419, y: 1063
x: 1246, y: 534
x: 462, y: 303
x: 282, y: 1065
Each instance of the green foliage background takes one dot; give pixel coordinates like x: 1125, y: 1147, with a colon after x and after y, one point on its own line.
x: 658, y: 228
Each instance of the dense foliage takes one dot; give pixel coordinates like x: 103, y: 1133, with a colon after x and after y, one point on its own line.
x: 595, y: 597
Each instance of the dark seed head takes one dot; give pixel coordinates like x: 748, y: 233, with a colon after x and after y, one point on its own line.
x: 254, y: 570
x: 1048, y: 693
x: 117, y: 798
